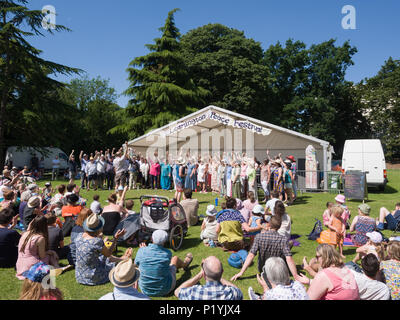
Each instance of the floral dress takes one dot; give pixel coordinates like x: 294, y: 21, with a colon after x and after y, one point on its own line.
x: 92, y: 267
x: 294, y: 291
x: 391, y: 270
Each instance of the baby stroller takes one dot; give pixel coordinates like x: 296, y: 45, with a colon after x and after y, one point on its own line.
x: 161, y: 213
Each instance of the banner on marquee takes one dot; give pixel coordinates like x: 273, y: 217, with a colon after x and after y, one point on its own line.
x: 223, y: 119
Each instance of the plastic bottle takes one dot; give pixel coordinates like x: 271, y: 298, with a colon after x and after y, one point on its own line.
x: 216, y: 202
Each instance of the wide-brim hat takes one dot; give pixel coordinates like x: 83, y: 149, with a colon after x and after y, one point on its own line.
x: 124, y: 274
x: 93, y: 223
x: 291, y: 158
x: 181, y: 161
x: 211, y: 211
x: 340, y: 198
x: 72, y: 198
x: 34, y: 202
x: 374, y: 236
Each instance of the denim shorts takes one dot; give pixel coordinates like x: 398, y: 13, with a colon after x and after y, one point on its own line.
x: 391, y: 222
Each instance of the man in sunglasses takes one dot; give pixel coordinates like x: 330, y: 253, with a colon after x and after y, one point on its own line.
x: 216, y: 288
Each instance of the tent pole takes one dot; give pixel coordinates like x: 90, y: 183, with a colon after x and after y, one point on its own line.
x: 325, y: 167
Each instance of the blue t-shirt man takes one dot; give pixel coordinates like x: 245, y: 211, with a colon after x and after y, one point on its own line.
x: 155, y: 270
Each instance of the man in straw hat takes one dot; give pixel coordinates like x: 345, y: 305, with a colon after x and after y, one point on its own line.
x: 157, y: 266
x: 124, y: 277
x: 31, y: 210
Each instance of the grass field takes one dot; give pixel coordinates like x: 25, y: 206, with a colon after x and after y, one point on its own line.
x: 307, y: 207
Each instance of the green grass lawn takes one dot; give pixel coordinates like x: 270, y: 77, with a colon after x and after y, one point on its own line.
x: 307, y: 207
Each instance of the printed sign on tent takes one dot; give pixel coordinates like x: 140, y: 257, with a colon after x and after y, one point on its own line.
x: 223, y: 119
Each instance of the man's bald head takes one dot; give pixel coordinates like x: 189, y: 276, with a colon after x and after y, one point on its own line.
x: 213, y: 268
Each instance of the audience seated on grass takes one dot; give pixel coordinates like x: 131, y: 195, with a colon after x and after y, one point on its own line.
x: 209, y: 226
x: 77, y: 229
x: 70, y: 212
x: 391, y: 269
x: 368, y: 283
x: 268, y: 244
x: 9, y: 239
x: 270, y: 205
x: 33, y: 247
x: 112, y: 214
x: 362, y: 224
x: 374, y: 245
x: 191, y: 207
x: 157, y: 266
x: 230, y: 227
x: 94, y: 260
x: 286, y: 223
x: 38, y: 284
x: 215, y: 287
x: 276, y: 283
x: 332, y: 279
x: 255, y: 221
x: 56, y: 238
x: 125, y: 278
x: 31, y: 210
x: 248, y: 205
x: 95, y: 206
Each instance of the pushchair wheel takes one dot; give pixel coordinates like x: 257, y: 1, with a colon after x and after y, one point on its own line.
x: 176, y: 237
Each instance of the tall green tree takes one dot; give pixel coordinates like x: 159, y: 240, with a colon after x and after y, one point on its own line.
x: 20, y: 61
x: 310, y: 93
x: 161, y: 86
x: 95, y: 111
x: 229, y: 65
x: 381, y: 104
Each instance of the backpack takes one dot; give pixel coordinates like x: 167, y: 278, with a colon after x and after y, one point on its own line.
x: 316, y: 231
x: 237, y: 259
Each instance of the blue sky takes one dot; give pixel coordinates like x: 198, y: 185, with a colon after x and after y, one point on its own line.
x: 107, y: 35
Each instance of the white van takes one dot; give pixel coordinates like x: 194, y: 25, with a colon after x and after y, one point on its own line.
x: 21, y: 156
x: 367, y: 156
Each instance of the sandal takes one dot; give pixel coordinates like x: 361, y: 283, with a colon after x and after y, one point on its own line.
x: 188, y: 260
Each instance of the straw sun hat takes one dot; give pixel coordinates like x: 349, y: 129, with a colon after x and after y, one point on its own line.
x: 124, y: 274
x: 93, y: 223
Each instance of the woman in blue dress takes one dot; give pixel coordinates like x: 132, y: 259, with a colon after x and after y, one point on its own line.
x: 94, y: 260
x: 166, y: 172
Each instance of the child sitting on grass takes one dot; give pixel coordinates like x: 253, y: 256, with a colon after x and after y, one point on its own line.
x: 255, y: 221
x: 374, y: 245
x: 337, y: 225
x: 209, y: 227
x: 327, y: 213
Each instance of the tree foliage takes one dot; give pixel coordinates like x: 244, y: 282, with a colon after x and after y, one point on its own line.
x: 381, y: 104
x: 161, y: 87
x: 226, y: 63
x: 27, y: 93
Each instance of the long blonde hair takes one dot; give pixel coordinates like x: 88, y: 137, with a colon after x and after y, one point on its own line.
x: 34, y: 291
